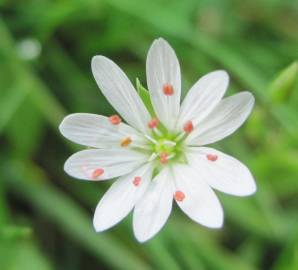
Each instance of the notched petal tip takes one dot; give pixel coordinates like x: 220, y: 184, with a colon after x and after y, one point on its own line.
x: 142, y: 239
x: 159, y: 44
x: 221, y: 74
x: 249, y: 96
x: 70, y: 121
x: 64, y: 123
x: 98, y: 227
x: 66, y: 167
x: 251, y: 189
x: 97, y: 58
x: 160, y: 40
x: 61, y: 126
x: 97, y: 61
x: 254, y: 189
x: 248, y: 100
x: 216, y: 223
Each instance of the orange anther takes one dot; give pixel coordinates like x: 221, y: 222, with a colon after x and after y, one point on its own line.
x: 168, y: 89
x: 126, y: 141
x: 97, y: 173
x: 153, y: 123
x: 137, y: 181
x: 188, y: 127
x: 212, y: 157
x: 179, y: 196
x: 115, y: 119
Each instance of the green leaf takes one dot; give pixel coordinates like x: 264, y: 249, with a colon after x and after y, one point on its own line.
x: 283, y: 85
x: 12, y: 232
x: 24, y: 254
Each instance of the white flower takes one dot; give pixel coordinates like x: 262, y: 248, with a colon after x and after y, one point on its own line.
x: 158, y: 158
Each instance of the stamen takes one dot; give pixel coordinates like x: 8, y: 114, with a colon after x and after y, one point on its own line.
x: 126, y: 141
x: 153, y: 123
x: 142, y: 146
x: 169, y: 143
x: 115, y: 119
x: 180, y: 136
x: 163, y: 158
x: 137, y: 181
x: 152, y: 157
x: 188, y: 127
x: 151, y: 139
x: 97, y: 173
x: 212, y: 157
x: 157, y: 132
x: 168, y: 89
x: 179, y: 196
x: 171, y: 156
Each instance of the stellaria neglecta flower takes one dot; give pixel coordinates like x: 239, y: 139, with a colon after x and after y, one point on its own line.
x: 159, y: 155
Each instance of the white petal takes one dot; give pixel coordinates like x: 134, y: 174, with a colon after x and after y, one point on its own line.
x: 114, y: 162
x: 226, y: 174
x: 153, y: 210
x: 200, y: 202
x: 119, y: 91
x: 203, y: 97
x: 227, y: 117
x: 162, y: 67
x: 97, y: 131
x: 120, y: 199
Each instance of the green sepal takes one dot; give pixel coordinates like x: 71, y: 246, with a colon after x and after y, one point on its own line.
x: 144, y: 94
x: 282, y: 86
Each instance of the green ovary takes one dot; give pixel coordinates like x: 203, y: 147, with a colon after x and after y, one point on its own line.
x: 172, y: 148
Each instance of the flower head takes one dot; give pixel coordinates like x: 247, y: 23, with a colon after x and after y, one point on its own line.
x: 160, y: 157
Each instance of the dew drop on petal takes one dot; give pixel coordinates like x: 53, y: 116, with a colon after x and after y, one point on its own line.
x: 137, y: 181
x: 168, y: 89
x: 97, y: 173
x: 126, y: 142
x: 188, y: 127
x: 115, y: 119
x: 179, y: 196
x: 212, y: 157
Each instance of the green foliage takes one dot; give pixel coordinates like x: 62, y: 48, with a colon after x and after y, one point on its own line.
x: 282, y: 87
x: 46, y: 217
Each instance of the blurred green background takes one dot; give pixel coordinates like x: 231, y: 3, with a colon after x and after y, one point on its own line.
x: 45, y: 52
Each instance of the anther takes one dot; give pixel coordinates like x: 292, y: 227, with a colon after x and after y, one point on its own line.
x: 168, y: 89
x: 137, y: 181
x: 153, y: 123
x: 179, y: 196
x: 97, y: 173
x: 212, y: 157
x: 163, y: 158
x: 115, y: 119
x: 188, y: 127
x: 126, y: 142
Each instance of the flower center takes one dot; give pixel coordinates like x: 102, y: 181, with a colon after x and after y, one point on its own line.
x: 166, y: 147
